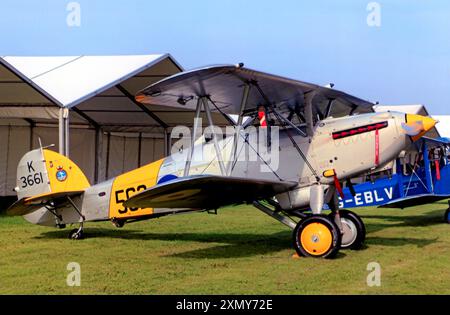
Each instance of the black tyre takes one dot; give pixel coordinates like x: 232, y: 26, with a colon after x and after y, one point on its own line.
x: 354, y: 230
x: 317, y: 236
x: 447, y: 216
x: 118, y: 223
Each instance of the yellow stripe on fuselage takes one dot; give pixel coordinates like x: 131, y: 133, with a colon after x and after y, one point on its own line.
x: 128, y: 184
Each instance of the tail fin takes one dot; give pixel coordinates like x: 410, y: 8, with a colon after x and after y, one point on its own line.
x: 43, y: 171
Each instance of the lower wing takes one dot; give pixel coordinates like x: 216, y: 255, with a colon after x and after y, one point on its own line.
x: 207, y: 192
x: 414, y: 201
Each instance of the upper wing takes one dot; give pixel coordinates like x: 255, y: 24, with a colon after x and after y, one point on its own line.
x: 30, y: 204
x: 224, y: 85
x: 207, y: 192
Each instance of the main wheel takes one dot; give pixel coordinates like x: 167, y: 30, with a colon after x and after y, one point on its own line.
x: 76, y: 234
x: 447, y: 216
x: 353, y: 228
x: 317, y: 236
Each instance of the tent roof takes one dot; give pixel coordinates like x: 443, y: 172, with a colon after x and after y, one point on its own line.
x: 69, y: 80
x: 99, y: 90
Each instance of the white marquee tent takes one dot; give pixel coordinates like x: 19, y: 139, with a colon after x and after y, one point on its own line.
x: 85, y: 106
x: 444, y: 125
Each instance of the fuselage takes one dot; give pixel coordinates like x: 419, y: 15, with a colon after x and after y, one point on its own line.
x: 349, y: 145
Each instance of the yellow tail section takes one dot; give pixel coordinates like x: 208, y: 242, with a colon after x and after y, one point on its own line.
x: 63, y: 174
x: 44, y: 174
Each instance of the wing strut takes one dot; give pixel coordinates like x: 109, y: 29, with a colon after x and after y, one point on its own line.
x: 216, y: 144
x: 279, y: 217
x: 309, y: 113
x: 194, y: 133
x: 238, y: 127
x: 309, y: 123
x: 266, y: 99
x: 203, y: 101
x: 294, y: 143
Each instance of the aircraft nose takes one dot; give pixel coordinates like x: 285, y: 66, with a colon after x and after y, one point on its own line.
x: 417, y: 125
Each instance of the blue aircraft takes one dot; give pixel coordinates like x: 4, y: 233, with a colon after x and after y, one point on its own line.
x: 420, y: 178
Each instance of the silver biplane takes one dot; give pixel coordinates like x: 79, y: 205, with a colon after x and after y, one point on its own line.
x: 313, y: 139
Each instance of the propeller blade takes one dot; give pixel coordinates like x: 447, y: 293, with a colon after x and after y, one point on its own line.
x: 413, y: 129
x: 417, y: 125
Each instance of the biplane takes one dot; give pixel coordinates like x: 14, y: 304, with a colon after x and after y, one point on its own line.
x: 418, y: 176
x: 290, y: 148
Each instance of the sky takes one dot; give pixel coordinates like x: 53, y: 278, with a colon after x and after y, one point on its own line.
x: 390, y: 51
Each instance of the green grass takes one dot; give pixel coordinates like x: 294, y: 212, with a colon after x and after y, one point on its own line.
x: 239, y: 251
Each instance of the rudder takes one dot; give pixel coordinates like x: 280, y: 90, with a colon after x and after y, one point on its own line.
x: 43, y: 171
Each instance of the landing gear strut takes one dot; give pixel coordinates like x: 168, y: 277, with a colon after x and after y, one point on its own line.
x: 352, y: 227
x: 76, y: 234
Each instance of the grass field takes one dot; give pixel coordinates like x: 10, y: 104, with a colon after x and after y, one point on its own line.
x: 239, y: 251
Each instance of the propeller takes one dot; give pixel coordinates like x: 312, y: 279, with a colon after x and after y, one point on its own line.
x: 414, y: 128
x: 417, y: 125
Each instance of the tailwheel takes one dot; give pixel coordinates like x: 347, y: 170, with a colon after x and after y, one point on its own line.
x: 317, y: 236
x: 353, y: 230
x: 118, y: 223
x: 76, y: 234
x: 447, y: 216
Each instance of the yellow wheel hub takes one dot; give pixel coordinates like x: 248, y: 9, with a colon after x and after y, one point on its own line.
x: 316, y: 239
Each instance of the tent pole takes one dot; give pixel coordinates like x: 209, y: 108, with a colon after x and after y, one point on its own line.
x: 166, y: 142
x: 32, y: 137
x: 98, y: 153
x: 63, y: 131
x: 66, y: 131
x: 139, y: 149
x: 108, y: 143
